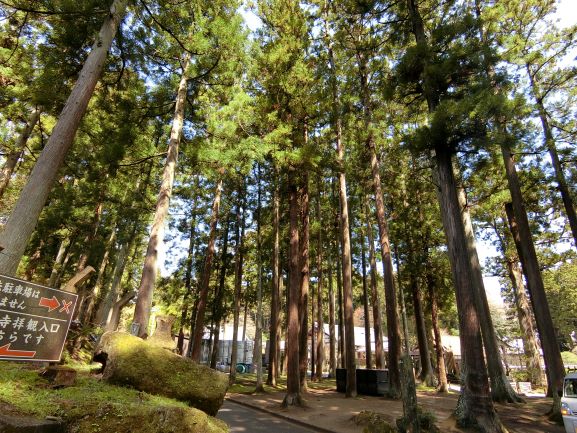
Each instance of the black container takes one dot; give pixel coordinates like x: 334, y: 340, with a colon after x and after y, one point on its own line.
x: 369, y: 382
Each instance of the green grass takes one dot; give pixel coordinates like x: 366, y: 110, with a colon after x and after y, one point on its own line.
x: 569, y: 358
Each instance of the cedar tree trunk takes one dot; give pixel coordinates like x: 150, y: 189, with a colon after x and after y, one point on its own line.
x: 148, y: 278
x: 23, y: 219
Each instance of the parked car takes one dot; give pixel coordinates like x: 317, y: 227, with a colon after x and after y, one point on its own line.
x: 569, y: 403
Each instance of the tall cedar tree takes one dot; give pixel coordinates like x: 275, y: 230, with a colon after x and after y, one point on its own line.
x: 475, y: 407
x: 23, y: 219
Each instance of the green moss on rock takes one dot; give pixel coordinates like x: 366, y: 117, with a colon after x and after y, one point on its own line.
x: 146, y: 419
x: 93, y: 406
x: 131, y: 361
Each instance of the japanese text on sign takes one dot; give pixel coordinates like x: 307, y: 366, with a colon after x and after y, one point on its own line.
x: 34, y: 320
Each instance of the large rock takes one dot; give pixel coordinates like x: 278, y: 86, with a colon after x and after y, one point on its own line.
x: 29, y: 405
x: 122, y: 419
x: 131, y: 361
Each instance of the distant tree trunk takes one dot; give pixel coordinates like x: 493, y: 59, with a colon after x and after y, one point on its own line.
x: 566, y: 197
x: 530, y: 347
x: 346, y: 302
x: 148, y: 278
x: 13, y: 157
x: 320, y: 347
x: 238, y: 269
x: 187, y: 284
x: 244, y: 330
x: 375, y: 302
x: 341, y: 325
x: 280, y: 329
x: 426, y: 374
x: 105, y: 308
x: 526, y: 250
x: 91, y: 235
x: 83, y: 259
x: 95, y: 296
x: 404, y: 320
x: 304, y: 241
x: 23, y: 219
x: 313, y: 334
x: 350, y: 352
x: 293, y: 395
x: 258, y: 332
x: 58, y: 262
x: 205, y: 281
x: 552, y: 385
x: 501, y: 390
x: 217, y: 306
x: 368, y: 352
x: 65, y: 263
x: 443, y: 386
x: 273, y: 366
x: 332, y: 336
x: 391, y: 310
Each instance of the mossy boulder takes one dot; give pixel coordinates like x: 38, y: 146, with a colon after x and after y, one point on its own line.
x: 146, y: 419
x: 374, y: 422
x: 93, y: 406
x: 131, y: 361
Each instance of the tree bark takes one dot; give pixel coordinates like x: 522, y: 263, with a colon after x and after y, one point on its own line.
x: 205, y: 282
x: 320, y: 348
x: 148, y: 278
x: 332, y: 336
x: 530, y: 347
x: 475, y: 407
x: 368, y: 351
x: 187, y: 282
x: 217, y: 306
x: 104, y: 310
x: 391, y: 308
x: 426, y: 374
x: 58, y: 262
x: 526, y: 249
x: 375, y: 301
x: 14, y: 156
x: 341, y: 326
x: 273, y: 366
x: 95, y: 297
x: 501, y: 390
x: 238, y: 270
x: 293, y: 395
x: 443, y: 386
x: 23, y: 219
x: 304, y: 241
x: 258, y: 332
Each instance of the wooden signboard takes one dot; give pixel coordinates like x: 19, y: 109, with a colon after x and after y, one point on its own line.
x: 34, y: 320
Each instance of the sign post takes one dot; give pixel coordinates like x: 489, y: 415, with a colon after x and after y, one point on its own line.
x: 34, y: 320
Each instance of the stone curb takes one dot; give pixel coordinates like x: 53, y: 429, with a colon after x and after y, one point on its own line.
x: 279, y: 415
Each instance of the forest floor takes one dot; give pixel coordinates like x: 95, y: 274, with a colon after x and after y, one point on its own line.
x: 329, y: 411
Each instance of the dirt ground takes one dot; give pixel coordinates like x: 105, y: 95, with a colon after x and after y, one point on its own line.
x: 331, y: 412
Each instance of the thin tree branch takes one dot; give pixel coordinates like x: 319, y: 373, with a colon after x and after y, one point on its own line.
x: 140, y: 161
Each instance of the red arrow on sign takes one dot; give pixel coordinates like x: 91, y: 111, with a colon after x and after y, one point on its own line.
x: 52, y: 304
x: 5, y: 351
